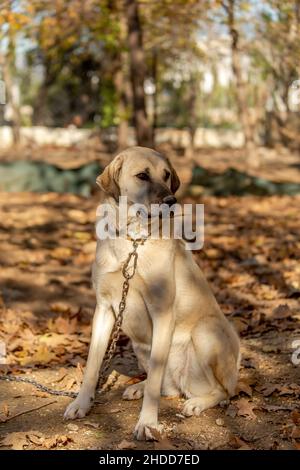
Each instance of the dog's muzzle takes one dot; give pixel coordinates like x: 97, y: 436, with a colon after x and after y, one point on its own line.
x: 169, y: 200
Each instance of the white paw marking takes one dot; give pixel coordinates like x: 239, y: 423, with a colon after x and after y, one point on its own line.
x: 146, y: 431
x: 79, y: 407
x: 193, y: 407
x: 134, y: 392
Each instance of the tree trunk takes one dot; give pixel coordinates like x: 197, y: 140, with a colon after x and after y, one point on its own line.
x: 41, y: 112
x: 154, y: 97
x: 2, y: 102
x: 122, y: 89
x: 241, y: 86
x: 137, y: 74
x: 16, y: 116
x: 192, y: 119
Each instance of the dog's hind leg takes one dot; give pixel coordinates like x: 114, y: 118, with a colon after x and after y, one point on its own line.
x: 213, y: 370
x: 195, y: 405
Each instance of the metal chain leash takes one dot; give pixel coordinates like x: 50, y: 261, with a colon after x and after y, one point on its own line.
x: 128, y: 274
x: 43, y: 388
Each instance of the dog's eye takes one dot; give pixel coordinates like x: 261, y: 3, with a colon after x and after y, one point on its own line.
x: 143, y: 176
x: 167, y: 175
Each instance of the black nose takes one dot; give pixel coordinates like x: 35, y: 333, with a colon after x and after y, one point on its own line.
x: 170, y: 200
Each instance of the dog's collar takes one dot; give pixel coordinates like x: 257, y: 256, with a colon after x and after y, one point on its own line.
x: 130, y: 238
x: 135, y: 239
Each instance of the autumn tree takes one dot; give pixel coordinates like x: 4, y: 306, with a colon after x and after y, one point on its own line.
x: 13, y: 19
x: 138, y: 73
x: 120, y: 45
x: 278, y: 52
x: 171, y: 51
x: 65, y: 46
x: 232, y: 17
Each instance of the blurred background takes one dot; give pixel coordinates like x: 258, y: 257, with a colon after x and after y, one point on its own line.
x: 214, y: 85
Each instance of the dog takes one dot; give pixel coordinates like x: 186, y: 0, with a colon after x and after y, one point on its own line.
x: 181, y: 338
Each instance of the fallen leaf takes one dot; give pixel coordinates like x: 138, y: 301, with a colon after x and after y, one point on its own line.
x: 60, y: 307
x: 15, y: 440
x: 5, y: 409
x: 291, y: 389
x: 126, y: 445
x: 60, y: 376
x: 163, y: 444
x: 63, y: 325
x: 270, y: 348
x: 35, y: 437
x: 68, y: 383
x: 268, y: 389
x: 79, y: 373
x: 277, y: 407
x: 56, y: 440
x: 231, y: 411
x: 78, y: 216
x: 295, y: 415
x: 238, y: 443
x: 53, y: 340
x: 281, y: 312
x: 243, y: 386
x: 248, y: 363
x: 245, y: 408
x: 295, y: 434
x: 136, y: 379
x: 61, y: 253
x: 240, y: 325
x: 41, y: 356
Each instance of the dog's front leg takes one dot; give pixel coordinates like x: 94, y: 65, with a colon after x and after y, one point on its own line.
x: 161, y: 341
x: 102, y: 326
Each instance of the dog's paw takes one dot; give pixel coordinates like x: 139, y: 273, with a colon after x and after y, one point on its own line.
x: 147, y: 431
x: 79, y: 407
x: 193, y: 407
x: 134, y: 392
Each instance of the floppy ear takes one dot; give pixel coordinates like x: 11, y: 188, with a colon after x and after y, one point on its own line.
x: 175, y: 182
x: 108, y: 180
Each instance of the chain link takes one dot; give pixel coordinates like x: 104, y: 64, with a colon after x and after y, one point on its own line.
x: 127, y: 274
x: 43, y: 388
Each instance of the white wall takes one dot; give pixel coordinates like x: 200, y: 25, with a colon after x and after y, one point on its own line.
x: 71, y: 136
x: 45, y: 135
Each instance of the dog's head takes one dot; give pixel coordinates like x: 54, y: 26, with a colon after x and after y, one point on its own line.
x: 143, y: 175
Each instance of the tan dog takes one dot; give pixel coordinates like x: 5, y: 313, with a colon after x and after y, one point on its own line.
x: 179, y: 334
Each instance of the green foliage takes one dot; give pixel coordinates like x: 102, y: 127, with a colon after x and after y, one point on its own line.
x: 109, y: 105
x: 81, y: 46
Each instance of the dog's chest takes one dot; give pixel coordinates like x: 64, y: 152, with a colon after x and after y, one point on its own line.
x: 152, y: 259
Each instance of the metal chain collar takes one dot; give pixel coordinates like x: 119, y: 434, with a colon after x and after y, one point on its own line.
x: 128, y: 274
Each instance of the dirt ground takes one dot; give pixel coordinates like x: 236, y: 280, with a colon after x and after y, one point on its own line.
x: 251, y: 258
